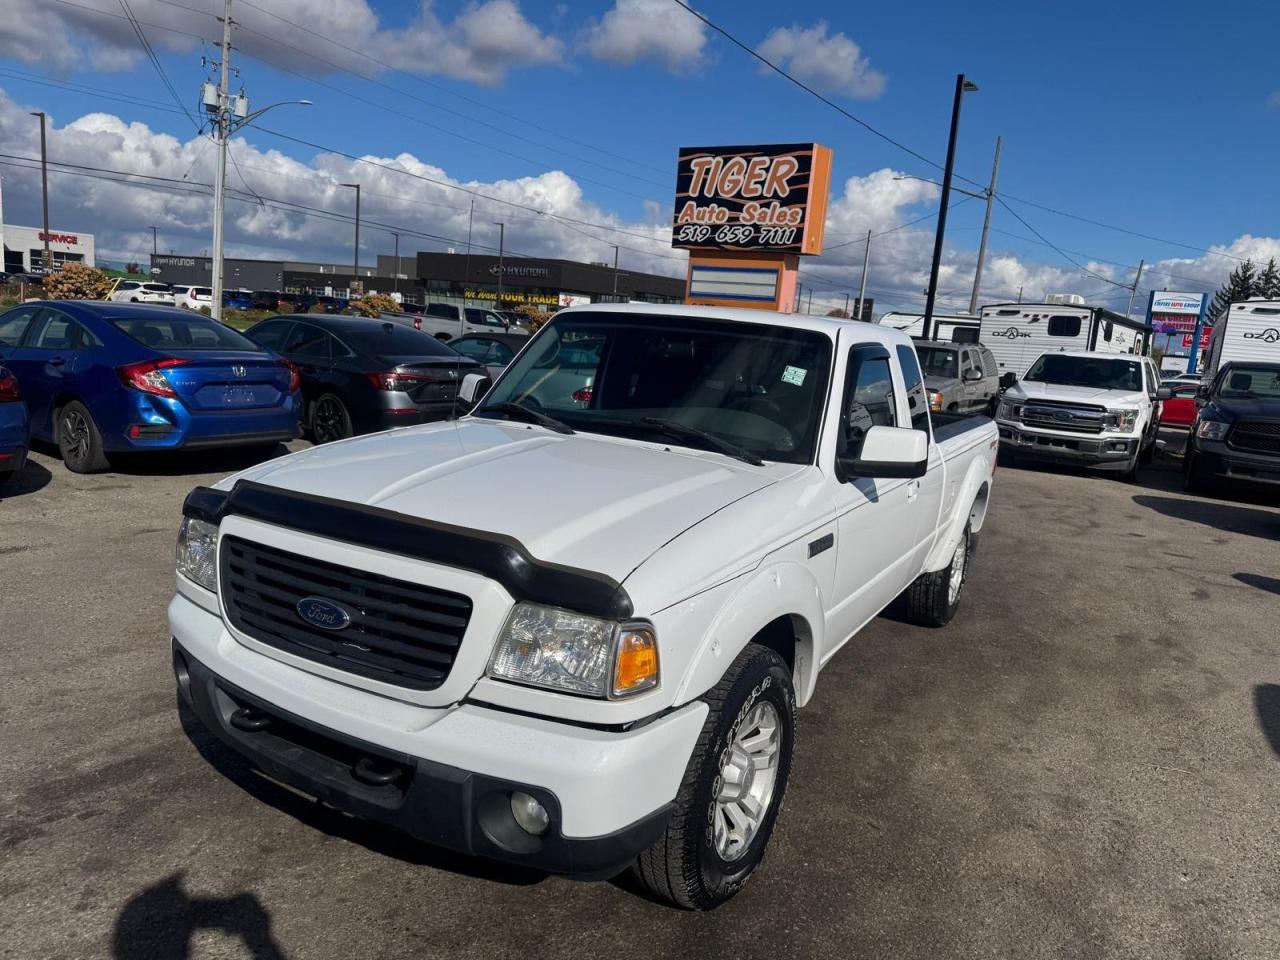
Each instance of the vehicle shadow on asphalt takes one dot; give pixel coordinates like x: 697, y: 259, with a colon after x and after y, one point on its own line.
x: 181, y: 463
x: 1266, y: 701
x: 1226, y: 517
x: 34, y: 476
x: 371, y: 836
x: 160, y: 922
x: 1268, y: 584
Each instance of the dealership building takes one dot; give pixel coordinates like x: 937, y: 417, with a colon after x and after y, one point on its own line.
x: 24, y: 248
x: 436, y: 278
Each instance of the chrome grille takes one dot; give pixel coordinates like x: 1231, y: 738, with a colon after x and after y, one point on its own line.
x: 1067, y: 417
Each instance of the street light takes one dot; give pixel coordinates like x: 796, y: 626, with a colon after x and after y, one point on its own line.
x: 502, y: 236
x: 963, y: 86
x: 44, y: 185
x: 355, y: 260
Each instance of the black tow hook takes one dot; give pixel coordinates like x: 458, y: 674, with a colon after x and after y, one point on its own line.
x: 250, y: 720
x: 376, y: 773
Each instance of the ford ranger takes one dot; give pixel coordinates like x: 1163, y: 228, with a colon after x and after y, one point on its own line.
x: 571, y: 629
x: 1094, y: 409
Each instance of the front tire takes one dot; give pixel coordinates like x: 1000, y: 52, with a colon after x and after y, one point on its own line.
x: 79, y: 440
x: 330, y: 420
x: 732, y: 790
x: 1193, y: 480
x: 933, y: 599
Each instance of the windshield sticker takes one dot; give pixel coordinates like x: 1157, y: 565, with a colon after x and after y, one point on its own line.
x: 794, y: 375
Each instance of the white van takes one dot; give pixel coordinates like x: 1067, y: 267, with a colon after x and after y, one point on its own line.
x: 1019, y: 333
x: 1248, y: 332
x: 948, y: 327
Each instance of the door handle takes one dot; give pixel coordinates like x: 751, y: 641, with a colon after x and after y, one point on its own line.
x: 57, y: 361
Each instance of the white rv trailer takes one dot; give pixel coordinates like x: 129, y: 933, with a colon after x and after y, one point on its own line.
x: 1249, y: 331
x: 949, y: 327
x: 1018, y: 333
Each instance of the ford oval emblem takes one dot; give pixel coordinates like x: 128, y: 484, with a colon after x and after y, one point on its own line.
x: 323, y: 613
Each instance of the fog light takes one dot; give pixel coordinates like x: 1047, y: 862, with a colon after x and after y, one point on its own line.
x: 530, y: 814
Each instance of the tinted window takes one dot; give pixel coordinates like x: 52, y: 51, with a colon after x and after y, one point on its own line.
x: 482, y: 350
x: 271, y: 334
x: 868, y: 402
x: 1249, y: 383
x: 14, y: 324
x: 964, y: 335
x: 129, y: 285
x: 396, y: 340
x: 917, y: 401
x: 486, y: 317
x: 445, y: 310
x: 938, y: 361
x: 1064, y: 326
x: 58, y: 333
x: 1186, y: 392
x: 968, y: 364
x: 166, y: 332
x: 309, y: 342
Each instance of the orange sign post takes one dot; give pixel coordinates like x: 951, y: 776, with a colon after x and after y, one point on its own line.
x: 746, y: 215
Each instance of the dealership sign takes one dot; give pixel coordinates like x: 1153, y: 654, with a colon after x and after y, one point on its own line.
x: 67, y: 238
x: 1204, y: 339
x: 752, y: 198
x: 1175, y: 312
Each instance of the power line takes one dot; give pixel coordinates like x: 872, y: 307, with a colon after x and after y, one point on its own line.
x: 155, y: 61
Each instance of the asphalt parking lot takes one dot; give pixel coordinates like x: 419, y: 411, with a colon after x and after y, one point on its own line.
x: 1086, y: 763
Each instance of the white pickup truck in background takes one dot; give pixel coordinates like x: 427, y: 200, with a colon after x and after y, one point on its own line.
x: 1093, y: 409
x: 603, y: 671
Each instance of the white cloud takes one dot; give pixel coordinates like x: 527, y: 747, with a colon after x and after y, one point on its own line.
x: 482, y: 44
x: 656, y: 30
x: 830, y: 63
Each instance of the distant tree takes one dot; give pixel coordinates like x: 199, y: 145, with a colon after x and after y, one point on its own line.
x: 1269, y: 281
x: 1241, y: 285
x: 75, y: 281
x: 373, y: 305
x: 838, y: 313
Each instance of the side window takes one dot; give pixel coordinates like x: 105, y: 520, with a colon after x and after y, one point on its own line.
x: 1153, y: 379
x: 968, y: 364
x: 445, y: 310
x: 14, y: 324
x: 917, y: 399
x: 1064, y: 326
x: 58, y: 333
x: 308, y: 342
x: 481, y: 350
x: 868, y: 401
x: 271, y: 334
x: 502, y: 353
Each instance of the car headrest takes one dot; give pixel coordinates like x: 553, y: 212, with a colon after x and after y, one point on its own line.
x: 1241, y: 381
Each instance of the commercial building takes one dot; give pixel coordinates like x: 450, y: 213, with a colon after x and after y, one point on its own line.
x: 24, y: 248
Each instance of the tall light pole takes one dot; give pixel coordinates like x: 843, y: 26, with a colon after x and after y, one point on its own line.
x: 502, y: 236
x: 862, y: 287
x: 44, y: 187
x: 615, y: 271
x: 355, y: 257
x: 963, y: 86
x: 153, y: 241
x: 396, y: 272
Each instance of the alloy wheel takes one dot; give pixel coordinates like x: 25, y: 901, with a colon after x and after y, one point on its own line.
x: 748, y: 776
x: 73, y: 437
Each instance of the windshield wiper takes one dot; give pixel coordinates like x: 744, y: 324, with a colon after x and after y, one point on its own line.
x: 685, y: 432
x: 516, y: 411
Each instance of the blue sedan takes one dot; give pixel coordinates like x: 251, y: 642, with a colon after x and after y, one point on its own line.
x: 14, y: 433
x: 102, y: 378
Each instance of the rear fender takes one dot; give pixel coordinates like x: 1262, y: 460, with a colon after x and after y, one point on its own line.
x: 784, y: 589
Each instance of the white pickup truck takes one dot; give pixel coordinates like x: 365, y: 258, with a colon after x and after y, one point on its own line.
x: 1094, y: 409
x: 571, y: 629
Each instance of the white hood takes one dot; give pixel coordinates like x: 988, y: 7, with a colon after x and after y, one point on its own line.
x: 1035, y: 390
x: 587, y: 501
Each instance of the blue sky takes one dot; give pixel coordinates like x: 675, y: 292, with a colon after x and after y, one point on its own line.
x: 1165, y: 123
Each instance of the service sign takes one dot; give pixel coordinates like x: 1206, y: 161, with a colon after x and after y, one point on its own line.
x: 762, y: 198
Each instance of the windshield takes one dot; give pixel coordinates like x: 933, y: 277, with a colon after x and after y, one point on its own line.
x: 1245, y: 383
x: 1099, y: 372
x: 182, y: 333
x: 757, y: 386
x: 389, y: 339
x: 937, y: 362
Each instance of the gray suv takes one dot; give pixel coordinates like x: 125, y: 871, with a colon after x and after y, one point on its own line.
x: 959, y: 377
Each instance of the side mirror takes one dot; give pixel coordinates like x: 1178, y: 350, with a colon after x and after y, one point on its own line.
x: 474, y: 387
x: 1007, y: 380
x: 973, y: 375
x: 890, y: 452
x: 1164, y: 393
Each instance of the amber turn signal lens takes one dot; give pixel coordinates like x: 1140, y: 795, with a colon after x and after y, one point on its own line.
x: 636, y: 665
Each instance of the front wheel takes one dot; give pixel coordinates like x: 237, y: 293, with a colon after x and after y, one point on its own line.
x: 933, y: 599
x: 1193, y: 479
x: 732, y: 790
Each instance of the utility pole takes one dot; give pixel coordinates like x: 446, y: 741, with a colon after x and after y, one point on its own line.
x: 799, y: 294
x: 1133, y: 290
x: 44, y: 186
x: 862, y: 288
x: 846, y: 306
x: 986, y: 230
x: 355, y: 257
x: 615, y: 271
x: 808, y: 307
x: 153, y: 242
x: 396, y: 272
x: 963, y: 86
x: 221, y: 130
x: 502, y: 236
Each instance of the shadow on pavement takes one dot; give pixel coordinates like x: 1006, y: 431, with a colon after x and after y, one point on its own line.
x: 1269, y: 584
x: 1266, y: 701
x: 160, y: 922
x: 371, y: 836
x: 1221, y: 516
x: 34, y: 476
x: 176, y: 464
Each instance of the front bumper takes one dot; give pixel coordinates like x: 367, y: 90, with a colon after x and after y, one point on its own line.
x: 1216, y: 458
x: 1102, y: 452
x: 608, y: 792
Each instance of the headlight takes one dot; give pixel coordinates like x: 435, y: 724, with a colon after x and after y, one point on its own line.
x: 935, y: 401
x: 1122, y: 420
x: 1212, y: 430
x: 1008, y: 411
x: 574, y: 653
x: 198, y: 552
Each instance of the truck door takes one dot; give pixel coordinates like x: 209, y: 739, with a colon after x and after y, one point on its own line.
x: 875, y: 517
